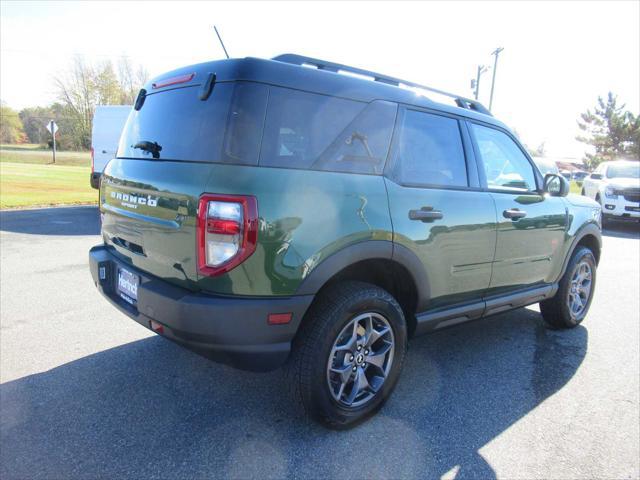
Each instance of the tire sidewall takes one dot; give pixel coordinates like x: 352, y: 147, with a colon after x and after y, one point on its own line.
x: 581, y: 255
x: 320, y: 397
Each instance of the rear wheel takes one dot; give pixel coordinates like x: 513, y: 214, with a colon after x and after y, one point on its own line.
x: 573, y: 299
x: 347, y: 358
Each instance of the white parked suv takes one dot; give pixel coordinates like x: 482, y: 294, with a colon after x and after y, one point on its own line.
x: 616, y: 186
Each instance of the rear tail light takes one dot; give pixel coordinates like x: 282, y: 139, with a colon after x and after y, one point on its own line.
x: 227, y: 232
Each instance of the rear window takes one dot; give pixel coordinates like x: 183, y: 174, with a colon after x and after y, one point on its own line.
x: 254, y: 124
x: 185, y: 127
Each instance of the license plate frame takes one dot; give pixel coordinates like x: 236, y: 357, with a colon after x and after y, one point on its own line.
x: 127, y: 284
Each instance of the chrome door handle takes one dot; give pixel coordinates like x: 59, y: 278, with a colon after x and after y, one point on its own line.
x: 425, y: 214
x: 514, y: 214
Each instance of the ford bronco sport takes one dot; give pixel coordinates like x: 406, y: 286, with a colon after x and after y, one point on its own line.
x: 303, y: 213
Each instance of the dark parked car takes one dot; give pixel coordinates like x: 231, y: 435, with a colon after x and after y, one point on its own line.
x: 264, y: 213
x: 579, y: 175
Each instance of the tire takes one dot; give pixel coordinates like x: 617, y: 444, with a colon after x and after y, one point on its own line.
x: 583, y: 193
x: 330, y: 324
x: 557, y: 311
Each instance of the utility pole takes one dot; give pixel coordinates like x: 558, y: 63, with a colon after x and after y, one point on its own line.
x: 476, y: 83
x: 496, y: 52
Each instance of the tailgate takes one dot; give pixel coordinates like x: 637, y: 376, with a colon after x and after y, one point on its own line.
x: 149, y: 215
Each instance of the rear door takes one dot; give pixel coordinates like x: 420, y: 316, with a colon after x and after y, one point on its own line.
x: 149, y: 199
x: 437, y: 207
x: 532, y: 226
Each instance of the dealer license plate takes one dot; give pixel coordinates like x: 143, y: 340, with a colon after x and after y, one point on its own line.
x: 128, y: 286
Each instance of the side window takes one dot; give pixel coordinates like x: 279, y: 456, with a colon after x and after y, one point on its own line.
x: 506, y: 167
x: 245, y: 123
x: 363, y: 145
x: 429, y: 151
x: 300, y: 126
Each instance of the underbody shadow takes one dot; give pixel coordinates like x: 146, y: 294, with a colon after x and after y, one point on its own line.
x: 52, y: 221
x: 152, y: 409
x: 622, y: 230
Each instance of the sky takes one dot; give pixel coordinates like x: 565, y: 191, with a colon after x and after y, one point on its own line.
x: 558, y: 56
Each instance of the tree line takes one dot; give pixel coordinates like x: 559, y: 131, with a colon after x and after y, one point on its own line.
x: 78, y: 91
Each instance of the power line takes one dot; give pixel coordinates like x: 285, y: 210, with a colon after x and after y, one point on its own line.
x: 38, y: 116
x: 81, y: 54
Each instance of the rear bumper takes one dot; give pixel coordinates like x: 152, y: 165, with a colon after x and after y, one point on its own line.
x: 231, y: 330
x: 95, y: 180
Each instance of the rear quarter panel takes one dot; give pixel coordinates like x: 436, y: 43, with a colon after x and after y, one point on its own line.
x: 304, y: 217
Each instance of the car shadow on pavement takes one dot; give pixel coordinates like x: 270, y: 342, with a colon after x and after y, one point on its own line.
x: 622, y: 230
x: 152, y: 409
x: 52, y: 221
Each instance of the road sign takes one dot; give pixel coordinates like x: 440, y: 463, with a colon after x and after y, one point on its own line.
x: 52, y: 127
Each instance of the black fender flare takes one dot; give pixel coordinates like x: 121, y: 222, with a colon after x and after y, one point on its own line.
x: 588, y: 229
x: 368, y: 250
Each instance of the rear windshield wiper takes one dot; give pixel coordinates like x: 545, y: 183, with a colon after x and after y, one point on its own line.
x: 152, y: 147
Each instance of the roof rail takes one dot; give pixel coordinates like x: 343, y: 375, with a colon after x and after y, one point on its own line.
x: 461, y: 102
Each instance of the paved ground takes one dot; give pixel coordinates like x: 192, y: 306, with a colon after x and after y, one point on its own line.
x: 87, y: 393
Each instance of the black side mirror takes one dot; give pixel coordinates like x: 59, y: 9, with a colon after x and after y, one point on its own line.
x: 596, y: 176
x: 556, y: 185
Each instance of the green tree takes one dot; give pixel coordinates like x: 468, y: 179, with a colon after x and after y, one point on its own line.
x: 107, y: 87
x: 34, y: 120
x: 11, y: 129
x: 611, y: 131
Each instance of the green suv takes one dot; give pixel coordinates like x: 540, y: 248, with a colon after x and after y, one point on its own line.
x: 303, y: 213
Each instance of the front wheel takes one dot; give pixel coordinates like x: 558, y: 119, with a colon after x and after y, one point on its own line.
x: 347, y: 357
x: 573, y: 299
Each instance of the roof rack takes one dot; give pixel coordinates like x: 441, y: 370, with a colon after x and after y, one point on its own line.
x: 461, y: 102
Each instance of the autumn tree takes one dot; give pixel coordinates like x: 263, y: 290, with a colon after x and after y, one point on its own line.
x: 11, y: 129
x: 87, y: 85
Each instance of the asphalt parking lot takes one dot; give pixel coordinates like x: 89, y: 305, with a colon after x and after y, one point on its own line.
x: 85, y: 392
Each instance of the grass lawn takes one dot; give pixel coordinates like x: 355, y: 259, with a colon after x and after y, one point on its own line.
x: 29, y: 153
x: 27, y: 177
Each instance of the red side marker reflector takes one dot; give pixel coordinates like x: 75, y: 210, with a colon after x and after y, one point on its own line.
x: 173, y: 81
x: 156, y: 327
x: 279, y: 318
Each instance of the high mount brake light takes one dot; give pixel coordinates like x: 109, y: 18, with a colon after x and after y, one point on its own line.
x: 227, y: 232
x: 173, y: 81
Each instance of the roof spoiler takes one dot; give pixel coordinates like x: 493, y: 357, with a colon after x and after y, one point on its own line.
x: 461, y: 102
